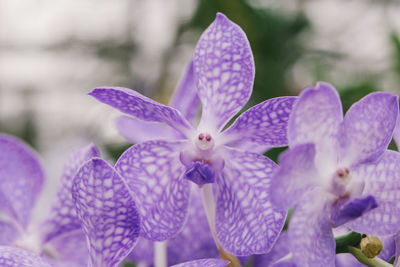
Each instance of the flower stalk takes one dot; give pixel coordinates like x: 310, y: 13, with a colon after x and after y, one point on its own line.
x: 207, y: 197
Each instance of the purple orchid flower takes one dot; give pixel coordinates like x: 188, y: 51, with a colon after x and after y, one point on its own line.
x: 22, y: 179
x: 338, y: 171
x: 158, y: 172
x: 107, y: 212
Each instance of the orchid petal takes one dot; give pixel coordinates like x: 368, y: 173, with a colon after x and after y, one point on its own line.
x: 389, y: 247
x: 381, y: 181
x: 347, y: 260
x: 284, y: 264
x: 263, y: 124
x: 310, y: 232
x: 63, y: 218
x: 185, y: 97
x: 9, y: 233
x: 11, y: 257
x: 316, y: 115
x: 143, y: 252
x: 295, y: 176
x: 154, y: 172
x: 21, y: 178
x: 204, y: 262
x: 278, y: 251
x: 195, y: 240
x: 70, y: 248
x: 368, y: 127
x: 134, y: 104
x: 353, y: 210
x: 138, y: 131
x: 224, y: 68
x: 108, y: 213
x: 246, y: 222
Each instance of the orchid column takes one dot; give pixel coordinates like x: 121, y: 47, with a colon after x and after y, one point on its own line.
x: 159, y: 172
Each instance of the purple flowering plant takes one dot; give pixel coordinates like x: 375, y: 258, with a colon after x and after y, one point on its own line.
x: 59, y: 238
x: 338, y: 171
x: 185, y: 187
x: 242, y: 219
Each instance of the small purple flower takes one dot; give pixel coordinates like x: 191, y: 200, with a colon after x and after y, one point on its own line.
x: 158, y: 172
x: 108, y: 214
x: 338, y: 171
x: 22, y: 179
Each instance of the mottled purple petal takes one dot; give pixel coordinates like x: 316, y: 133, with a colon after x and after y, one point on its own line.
x: 138, y: 131
x: 143, y: 252
x: 224, y: 69
x: 62, y: 218
x: 21, y: 178
x: 316, y: 115
x: 347, y: 260
x: 368, y: 127
x: 203, y: 263
x: 295, y: 175
x: 389, y: 247
x: 154, y: 172
x: 310, y: 232
x: 9, y: 233
x: 278, y: 251
x: 286, y: 263
x: 195, y: 240
x: 70, y: 248
x: 134, y: 104
x: 353, y: 210
x: 108, y: 213
x: 263, y: 124
x: 246, y: 221
x: 185, y: 97
x: 382, y: 180
x: 12, y: 257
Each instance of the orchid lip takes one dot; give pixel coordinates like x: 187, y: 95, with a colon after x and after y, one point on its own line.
x: 200, y: 172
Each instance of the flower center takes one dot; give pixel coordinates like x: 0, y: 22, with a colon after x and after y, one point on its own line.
x: 340, y: 182
x: 204, y: 141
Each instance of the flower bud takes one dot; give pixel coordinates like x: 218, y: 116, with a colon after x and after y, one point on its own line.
x: 371, y: 246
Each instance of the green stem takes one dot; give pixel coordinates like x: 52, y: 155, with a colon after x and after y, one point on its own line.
x: 374, y: 262
x: 350, y: 239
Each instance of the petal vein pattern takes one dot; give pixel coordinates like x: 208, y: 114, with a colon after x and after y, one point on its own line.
x: 62, y: 218
x: 264, y: 124
x: 381, y: 181
x: 11, y: 257
x: 107, y: 211
x: 224, y: 69
x: 246, y: 222
x: 368, y: 127
x: 204, y: 262
x: 310, y: 232
x: 141, y: 107
x: 315, y: 116
x: 154, y: 173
